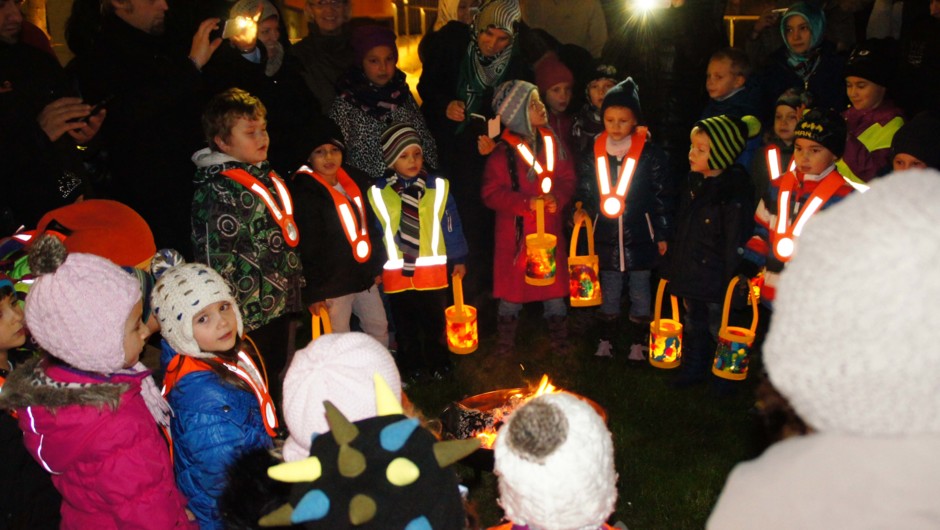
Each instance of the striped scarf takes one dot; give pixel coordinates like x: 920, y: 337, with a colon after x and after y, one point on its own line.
x: 408, y: 237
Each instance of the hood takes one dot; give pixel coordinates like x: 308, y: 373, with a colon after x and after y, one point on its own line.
x: 31, y: 385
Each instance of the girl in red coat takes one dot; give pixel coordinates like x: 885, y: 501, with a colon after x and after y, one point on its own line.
x: 528, y: 166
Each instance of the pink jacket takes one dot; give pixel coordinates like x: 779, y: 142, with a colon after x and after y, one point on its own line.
x: 96, y: 436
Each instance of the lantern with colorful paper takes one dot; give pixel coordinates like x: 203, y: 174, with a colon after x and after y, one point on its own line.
x: 583, y: 284
x: 734, y: 343
x: 540, y: 266
x: 462, y: 334
x: 322, y: 317
x: 665, y: 333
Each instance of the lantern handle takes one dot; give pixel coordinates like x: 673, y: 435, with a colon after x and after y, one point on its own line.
x: 659, y: 303
x: 589, y: 227
x: 458, y: 293
x: 540, y: 216
x: 727, y: 307
x: 323, y: 317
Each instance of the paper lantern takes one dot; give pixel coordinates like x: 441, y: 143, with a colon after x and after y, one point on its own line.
x: 583, y: 284
x: 321, y: 318
x: 540, y: 266
x: 462, y: 334
x: 665, y: 333
x: 734, y: 343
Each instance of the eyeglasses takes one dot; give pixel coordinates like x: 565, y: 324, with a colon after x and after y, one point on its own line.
x: 323, y: 4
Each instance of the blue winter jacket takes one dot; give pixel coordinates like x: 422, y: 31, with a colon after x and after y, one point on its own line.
x: 213, y: 424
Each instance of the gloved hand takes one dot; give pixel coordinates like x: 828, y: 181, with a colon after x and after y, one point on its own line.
x: 740, y: 296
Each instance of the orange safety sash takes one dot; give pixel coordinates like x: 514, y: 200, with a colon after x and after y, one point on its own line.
x: 773, y: 162
x: 283, y: 214
x: 613, y: 201
x: 182, y: 365
x: 786, y: 232
x: 519, y: 145
x: 356, y: 229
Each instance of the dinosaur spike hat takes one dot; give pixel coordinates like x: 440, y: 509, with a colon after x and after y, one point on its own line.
x: 384, y: 472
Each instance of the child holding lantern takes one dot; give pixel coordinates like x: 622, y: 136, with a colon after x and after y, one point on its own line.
x: 527, y: 172
x: 626, y: 187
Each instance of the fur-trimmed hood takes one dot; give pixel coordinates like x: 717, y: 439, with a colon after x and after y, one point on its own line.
x: 30, y: 385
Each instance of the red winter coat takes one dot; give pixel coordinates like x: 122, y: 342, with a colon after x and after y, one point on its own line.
x: 102, y: 446
x: 509, y: 258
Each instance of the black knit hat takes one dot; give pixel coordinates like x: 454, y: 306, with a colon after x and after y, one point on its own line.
x: 920, y: 138
x: 311, y: 135
x: 625, y: 94
x: 728, y: 136
x: 825, y: 127
x: 874, y: 60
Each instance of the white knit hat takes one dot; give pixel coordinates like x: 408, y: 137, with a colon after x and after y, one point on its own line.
x: 180, y: 293
x: 852, y: 340
x: 555, y: 461
x: 337, y: 367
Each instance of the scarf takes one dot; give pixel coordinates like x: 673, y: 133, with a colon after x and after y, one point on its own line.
x: 408, y: 237
x: 375, y: 101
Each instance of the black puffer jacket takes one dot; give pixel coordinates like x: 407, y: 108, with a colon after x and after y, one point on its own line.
x: 714, y: 221
x: 647, y: 217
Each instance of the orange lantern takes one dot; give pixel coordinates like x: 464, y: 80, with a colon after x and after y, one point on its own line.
x: 665, y: 334
x: 462, y: 334
x: 734, y: 343
x: 322, y: 317
x: 583, y: 284
x: 540, y: 266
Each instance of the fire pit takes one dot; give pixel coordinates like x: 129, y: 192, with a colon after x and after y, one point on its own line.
x: 482, y: 415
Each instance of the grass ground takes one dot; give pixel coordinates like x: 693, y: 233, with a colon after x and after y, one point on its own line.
x: 674, y: 448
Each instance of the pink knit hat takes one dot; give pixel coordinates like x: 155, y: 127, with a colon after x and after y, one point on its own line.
x: 77, y: 308
x: 337, y: 367
x: 550, y: 71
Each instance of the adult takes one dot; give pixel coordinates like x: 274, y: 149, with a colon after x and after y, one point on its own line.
x: 457, y: 11
x: 579, y: 22
x: 325, y: 53
x: 153, y: 111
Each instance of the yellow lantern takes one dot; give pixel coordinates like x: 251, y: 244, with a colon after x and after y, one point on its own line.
x: 322, y: 317
x: 665, y: 334
x: 734, y: 343
x: 462, y: 334
x: 583, y: 284
x: 540, y: 266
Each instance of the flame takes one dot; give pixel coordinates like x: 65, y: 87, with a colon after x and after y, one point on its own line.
x: 487, y: 436
x: 544, y: 387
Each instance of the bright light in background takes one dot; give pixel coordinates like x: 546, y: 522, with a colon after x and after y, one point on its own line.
x: 649, y: 5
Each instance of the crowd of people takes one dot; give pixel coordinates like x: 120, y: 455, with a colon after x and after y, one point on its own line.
x: 193, y: 174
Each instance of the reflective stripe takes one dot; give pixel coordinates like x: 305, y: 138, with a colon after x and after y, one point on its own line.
x: 436, y: 227
x: 32, y: 427
x: 785, y: 232
x: 390, y: 248
x: 773, y: 163
x: 356, y: 233
x: 395, y: 263
x: 545, y: 184
x: 613, y: 204
x: 283, y: 215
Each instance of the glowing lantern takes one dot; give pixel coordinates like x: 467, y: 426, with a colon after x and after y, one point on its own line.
x: 322, y: 317
x: 462, y: 335
x: 665, y: 334
x: 734, y: 343
x: 583, y: 283
x: 540, y: 266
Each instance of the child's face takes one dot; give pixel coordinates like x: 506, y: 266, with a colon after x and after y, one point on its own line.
x: 811, y: 157
x: 698, y: 154
x: 269, y: 32
x: 12, y: 330
x: 326, y: 160
x: 720, y: 78
x: 558, y: 97
x: 538, y: 114
x: 785, y: 120
x: 215, y: 328
x: 135, y: 335
x: 904, y: 161
x: 864, y: 94
x: 619, y: 122
x: 597, y: 89
x: 799, y: 36
x: 409, y: 162
x: 379, y: 65
x: 248, y: 141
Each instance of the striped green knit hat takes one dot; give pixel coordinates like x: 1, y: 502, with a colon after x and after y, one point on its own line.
x: 728, y: 136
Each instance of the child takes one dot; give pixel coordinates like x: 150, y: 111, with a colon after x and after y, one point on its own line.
x: 587, y: 122
x: 778, y: 151
x: 421, y: 233
x: 915, y: 144
x: 633, y: 229
x: 831, y: 351
x: 815, y: 184
x: 872, y: 120
x: 555, y: 461
x: 519, y: 174
x: 342, y: 260
x: 555, y: 80
x: 243, y: 225
x: 726, y: 83
x: 219, y: 398
x: 714, y: 221
x: 87, y: 407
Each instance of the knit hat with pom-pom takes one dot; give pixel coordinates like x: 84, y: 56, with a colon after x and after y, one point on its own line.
x: 337, y: 367
x: 728, y: 137
x: 180, y: 293
x: 78, y: 306
x: 555, y: 461
x: 511, y: 102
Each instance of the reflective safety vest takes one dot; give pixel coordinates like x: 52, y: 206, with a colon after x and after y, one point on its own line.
x: 773, y: 162
x: 612, y: 200
x: 785, y: 231
x: 545, y: 174
x: 431, y: 265
x: 875, y: 137
x: 282, y: 214
x: 354, y: 226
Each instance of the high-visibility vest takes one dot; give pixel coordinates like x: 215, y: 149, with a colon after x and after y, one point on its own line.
x: 431, y: 264
x: 612, y: 200
x: 874, y: 138
x: 786, y: 231
x: 545, y: 174
x: 354, y: 226
x: 774, y: 162
x: 283, y: 213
